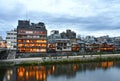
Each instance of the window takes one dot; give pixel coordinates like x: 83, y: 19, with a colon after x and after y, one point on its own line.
x: 8, y: 33
x: 29, y: 32
x: 64, y: 47
x: 7, y: 37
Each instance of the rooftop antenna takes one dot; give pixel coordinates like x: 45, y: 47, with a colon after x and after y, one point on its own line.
x: 27, y: 14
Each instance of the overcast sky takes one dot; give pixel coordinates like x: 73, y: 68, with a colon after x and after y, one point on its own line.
x: 86, y: 17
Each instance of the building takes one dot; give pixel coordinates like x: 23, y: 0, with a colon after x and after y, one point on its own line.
x: 81, y: 45
x: 31, y: 37
x: 117, y: 43
x: 63, y: 45
x: 90, y: 39
x: 2, y: 44
x: 11, y: 39
x: 103, y: 39
x: 68, y: 34
x: 107, y: 47
x: 54, y: 34
x: 75, y: 47
x: 51, y: 47
x: 59, y: 45
x: 61, y: 42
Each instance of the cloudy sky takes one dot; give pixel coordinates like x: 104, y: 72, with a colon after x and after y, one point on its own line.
x: 86, y: 17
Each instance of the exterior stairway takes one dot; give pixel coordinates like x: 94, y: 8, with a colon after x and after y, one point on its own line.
x: 11, y: 55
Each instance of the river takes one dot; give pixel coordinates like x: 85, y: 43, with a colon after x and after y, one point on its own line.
x: 104, y: 71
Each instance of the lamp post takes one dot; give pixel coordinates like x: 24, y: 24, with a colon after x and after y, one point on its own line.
x: 100, y: 50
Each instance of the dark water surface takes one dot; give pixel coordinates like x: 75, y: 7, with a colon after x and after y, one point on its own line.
x: 104, y: 71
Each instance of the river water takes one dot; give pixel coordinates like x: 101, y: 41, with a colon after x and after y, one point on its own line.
x: 104, y: 71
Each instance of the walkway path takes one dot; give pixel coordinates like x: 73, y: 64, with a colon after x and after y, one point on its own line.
x: 41, y: 59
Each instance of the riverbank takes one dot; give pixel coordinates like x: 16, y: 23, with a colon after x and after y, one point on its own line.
x: 69, y: 61
x: 60, y: 60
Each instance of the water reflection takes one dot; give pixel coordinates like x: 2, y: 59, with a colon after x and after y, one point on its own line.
x: 107, y: 65
x: 32, y: 73
x: 9, y: 74
x: 41, y: 73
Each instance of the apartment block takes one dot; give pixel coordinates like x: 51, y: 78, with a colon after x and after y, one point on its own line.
x: 11, y: 39
x: 31, y: 37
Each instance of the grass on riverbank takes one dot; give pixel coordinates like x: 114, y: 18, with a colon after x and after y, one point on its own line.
x: 66, y: 61
x: 6, y: 63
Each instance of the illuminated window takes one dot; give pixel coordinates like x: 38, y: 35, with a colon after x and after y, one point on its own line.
x: 41, y: 41
x: 20, y: 45
x: 43, y: 45
x: 29, y: 32
x: 42, y: 32
x: 27, y: 41
x: 43, y: 50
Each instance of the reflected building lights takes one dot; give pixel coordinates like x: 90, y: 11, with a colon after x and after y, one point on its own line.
x: 107, y: 64
x: 9, y: 73
x: 49, y: 72
x: 53, y: 68
x: 31, y: 73
x: 40, y: 73
x: 8, y: 77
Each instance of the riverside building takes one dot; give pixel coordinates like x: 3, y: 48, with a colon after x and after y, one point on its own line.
x: 31, y: 37
x: 11, y: 39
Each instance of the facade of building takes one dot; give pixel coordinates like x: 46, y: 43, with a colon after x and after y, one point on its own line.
x: 68, y: 34
x: 51, y: 47
x: 107, y: 47
x: 117, y: 43
x: 103, y: 39
x: 11, y: 39
x: 63, y: 45
x: 82, y: 45
x: 62, y: 42
x: 31, y: 38
x: 90, y: 39
x: 75, y: 47
x: 54, y: 34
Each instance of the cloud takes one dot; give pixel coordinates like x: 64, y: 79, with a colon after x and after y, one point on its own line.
x: 82, y: 16
x: 11, y: 12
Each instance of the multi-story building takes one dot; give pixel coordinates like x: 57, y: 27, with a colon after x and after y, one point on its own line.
x: 69, y: 34
x: 81, y: 45
x: 107, y: 47
x: 54, y: 32
x: 103, y: 39
x: 54, y: 35
x: 117, y: 43
x: 11, y: 39
x: 75, y: 47
x: 90, y: 39
x: 31, y: 38
x: 63, y: 45
x: 61, y: 42
x: 51, y: 46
